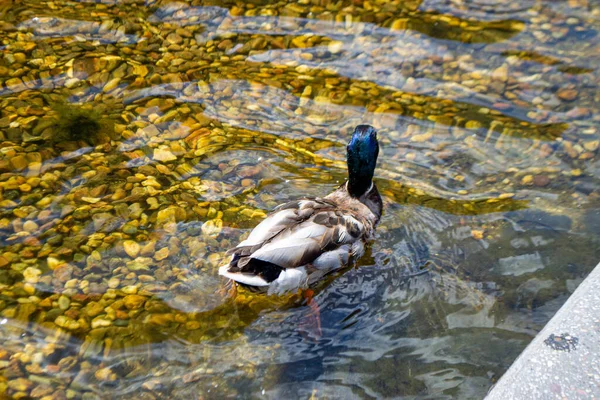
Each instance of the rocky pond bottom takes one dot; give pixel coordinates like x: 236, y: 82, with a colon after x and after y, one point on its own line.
x: 139, y: 140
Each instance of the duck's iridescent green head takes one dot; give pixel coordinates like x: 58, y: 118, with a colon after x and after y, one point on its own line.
x: 362, y: 158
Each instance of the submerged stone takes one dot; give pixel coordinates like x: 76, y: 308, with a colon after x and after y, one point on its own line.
x: 134, y: 301
x: 131, y: 248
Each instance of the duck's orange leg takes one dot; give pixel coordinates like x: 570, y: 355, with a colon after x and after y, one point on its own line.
x: 232, y: 292
x: 228, y: 290
x: 313, y: 320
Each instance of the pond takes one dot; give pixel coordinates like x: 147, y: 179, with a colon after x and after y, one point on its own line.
x: 140, y: 140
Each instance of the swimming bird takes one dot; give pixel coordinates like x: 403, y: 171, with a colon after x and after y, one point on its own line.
x: 302, y: 241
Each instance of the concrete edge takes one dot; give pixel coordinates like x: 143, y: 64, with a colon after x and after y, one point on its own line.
x: 563, y: 360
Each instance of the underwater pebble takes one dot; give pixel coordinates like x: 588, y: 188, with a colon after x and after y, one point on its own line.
x: 105, y: 374
x: 506, y: 195
x: 161, y: 254
x: 114, y: 283
x: 591, y: 145
x: 335, y: 46
x: 20, y: 384
x: 99, y: 322
x: 64, y: 302
x: 527, y: 180
x: 541, y: 180
x: 212, y: 227
x: 66, y: 322
x: 19, y: 162
x: 94, y: 309
x: 567, y: 94
x: 130, y: 289
x: 31, y: 274
x: 30, y: 226
x: 163, y: 155
x: 477, y: 234
x: 501, y: 73
x: 131, y: 248
x: 134, y: 301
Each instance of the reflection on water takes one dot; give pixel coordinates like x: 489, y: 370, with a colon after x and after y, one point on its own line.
x: 141, y: 140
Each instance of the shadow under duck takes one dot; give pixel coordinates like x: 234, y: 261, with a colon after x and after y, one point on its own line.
x: 302, y: 241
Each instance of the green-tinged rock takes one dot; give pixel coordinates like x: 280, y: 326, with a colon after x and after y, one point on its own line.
x: 64, y: 302
x: 139, y: 264
x: 66, y: 322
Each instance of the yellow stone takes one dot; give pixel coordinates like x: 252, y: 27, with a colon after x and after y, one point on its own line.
x: 506, y: 195
x: 105, y: 374
x: 164, y: 155
x: 527, y: 180
x: 473, y: 125
x: 171, y: 214
x: 18, y: 162
x: 500, y: 73
x: 53, y: 262
x: 399, y: 24
x: 421, y: 138
x: 335, y: 46
x: 212, y: 227
x: 99, y: 322
x: 140, y: 70
x: 161, y: 254
x: 592, y: 145
x: 66, y: 322
x: 300, y: 41
x: 131, y: 248
x: 31, y: 275
x: 30, y: 226
x: 134, y: 301
x: 477, y: 234
x: 148, y: 249
x: 110, y: 85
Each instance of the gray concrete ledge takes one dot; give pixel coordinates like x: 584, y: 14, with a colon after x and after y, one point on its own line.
x: 563, y: 361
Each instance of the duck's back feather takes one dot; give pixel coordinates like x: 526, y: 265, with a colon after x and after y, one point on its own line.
x: 319, y: 234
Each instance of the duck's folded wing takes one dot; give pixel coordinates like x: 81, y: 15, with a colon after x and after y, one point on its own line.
x: 286, y: 216
x: 299, y: 245
x: 296, y: 236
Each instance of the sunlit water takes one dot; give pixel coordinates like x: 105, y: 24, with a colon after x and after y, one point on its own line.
x: 141, y: 140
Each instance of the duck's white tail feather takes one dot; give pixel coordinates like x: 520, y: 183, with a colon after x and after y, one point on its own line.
x: 251, y: 280
x: 289, y: 280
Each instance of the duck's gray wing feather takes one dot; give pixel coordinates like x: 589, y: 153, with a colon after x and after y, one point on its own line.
x: 284, y: 217
x: 296, y: 235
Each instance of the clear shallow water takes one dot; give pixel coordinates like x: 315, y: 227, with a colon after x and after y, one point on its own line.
x: 178, y: 125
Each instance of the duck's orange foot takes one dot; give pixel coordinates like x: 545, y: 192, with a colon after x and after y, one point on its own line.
x: 312, y: 322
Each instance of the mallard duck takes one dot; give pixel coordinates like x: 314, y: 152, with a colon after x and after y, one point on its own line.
x: 302, y: 241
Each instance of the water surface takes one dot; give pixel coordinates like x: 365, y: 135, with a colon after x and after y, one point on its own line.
x: 139, y: 140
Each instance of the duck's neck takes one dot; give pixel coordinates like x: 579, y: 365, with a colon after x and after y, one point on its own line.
x: 369, y: 198
x: 360, y: 178
x: 359, y: 184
